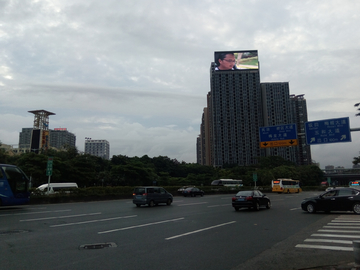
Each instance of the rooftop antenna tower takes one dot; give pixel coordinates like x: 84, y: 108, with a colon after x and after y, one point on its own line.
x: 40, y: 136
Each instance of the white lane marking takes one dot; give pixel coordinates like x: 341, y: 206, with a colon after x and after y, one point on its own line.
x: 219, y: 205
x: 192, y: 203
x: 201, y: 230
x: 341, y: 231
x: 46, y: 218
x: 90, y: 221
x: 326, y: 247
x: 139, y: 226
x: 31, y: 213
x: 329, y: 241
x: 336, y: 235
x: 292, y: 209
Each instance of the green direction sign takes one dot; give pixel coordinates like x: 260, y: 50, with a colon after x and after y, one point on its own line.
x: 255, y: 177
x: 49, y: 166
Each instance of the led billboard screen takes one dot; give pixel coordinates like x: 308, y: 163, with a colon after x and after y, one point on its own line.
x: 236, y: 60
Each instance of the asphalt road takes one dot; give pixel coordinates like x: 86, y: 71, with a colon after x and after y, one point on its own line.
x: 192, y: 233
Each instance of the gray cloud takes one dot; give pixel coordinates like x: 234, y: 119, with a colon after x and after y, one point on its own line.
x: 137, y: 72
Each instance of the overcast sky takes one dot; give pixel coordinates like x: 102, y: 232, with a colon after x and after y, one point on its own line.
x: 136, y: 73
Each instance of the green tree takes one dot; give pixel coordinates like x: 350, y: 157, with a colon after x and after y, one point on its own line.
x: 273, y: 162
x: 285, y: 172
x: 310, y: 175
x: 356, y: 160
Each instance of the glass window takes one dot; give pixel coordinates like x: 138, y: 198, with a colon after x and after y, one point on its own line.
x: 346, y: 192
x: 331, y: 193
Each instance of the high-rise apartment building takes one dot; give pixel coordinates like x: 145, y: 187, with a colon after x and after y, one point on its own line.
x: 277, y: 110
x: 238, y: 105
x: 235, y: 109
x: 300, y: 117
x: 99, y: 148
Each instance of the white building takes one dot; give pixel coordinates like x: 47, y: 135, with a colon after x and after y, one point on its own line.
x: 99, y: 148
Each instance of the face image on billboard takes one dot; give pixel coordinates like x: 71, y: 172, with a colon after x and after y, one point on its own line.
x: 236, y: 60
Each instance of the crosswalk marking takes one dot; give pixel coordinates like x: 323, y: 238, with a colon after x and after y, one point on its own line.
x: 336, y: 235
x: 329, y: 241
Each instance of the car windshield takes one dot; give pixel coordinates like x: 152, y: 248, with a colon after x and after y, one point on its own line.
x: 244, y: 193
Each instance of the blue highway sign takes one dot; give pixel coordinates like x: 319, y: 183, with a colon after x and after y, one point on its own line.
x: 328, y: 131
x: 277, y: 136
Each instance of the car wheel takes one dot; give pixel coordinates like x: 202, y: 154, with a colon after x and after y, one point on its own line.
x: 356, y: 208
x: 192, y: 195
x: 257, y: 206
x: 268, y: 205
x: 151, y: 203
x: 310, y: 207
x: 138, y: 205
x: 237, y: 208
x: 168, y: 202
x: 202, y: 195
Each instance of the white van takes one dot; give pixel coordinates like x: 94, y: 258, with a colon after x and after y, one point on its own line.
x: 57, y: 187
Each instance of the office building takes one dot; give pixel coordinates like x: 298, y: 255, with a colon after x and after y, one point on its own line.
x: 59, y: 138
x: 99, y: 148
x: 62, y: 138
x: 25, y: 138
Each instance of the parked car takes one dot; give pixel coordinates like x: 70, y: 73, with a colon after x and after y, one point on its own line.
x: 151, y: 196
x: 183, y: 188
x: 193, y: 192
x: 250, y: 199
x: 337, y: 199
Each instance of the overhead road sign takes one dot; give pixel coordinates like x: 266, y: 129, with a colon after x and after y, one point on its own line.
x: 278, y: 136
x: 281, y: 143
x: 328, y: 131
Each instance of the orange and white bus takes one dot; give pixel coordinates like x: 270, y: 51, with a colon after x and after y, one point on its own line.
x: 286, y: 186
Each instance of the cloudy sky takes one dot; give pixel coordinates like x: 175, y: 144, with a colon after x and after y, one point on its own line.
x: 136, y: 73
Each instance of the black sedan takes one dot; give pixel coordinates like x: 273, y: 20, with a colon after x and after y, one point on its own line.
x: 338, y: 199
x: 250, y: 199
x: 192, y: 191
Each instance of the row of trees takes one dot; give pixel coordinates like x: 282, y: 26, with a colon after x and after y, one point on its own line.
x: 120, y: 170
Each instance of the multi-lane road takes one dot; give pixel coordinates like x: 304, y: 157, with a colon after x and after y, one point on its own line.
x: 192, y: 233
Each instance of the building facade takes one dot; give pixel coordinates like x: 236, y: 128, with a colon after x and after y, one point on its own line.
x: 237, y: 106
x: 278, y: 111
x: 300, y: 117
x: 59, y: 138
x: 25, y: 138
x: 99, y: 148
x: 235, y: 116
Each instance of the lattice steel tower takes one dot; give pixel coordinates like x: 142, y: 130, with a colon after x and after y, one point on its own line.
x: 40, y: 137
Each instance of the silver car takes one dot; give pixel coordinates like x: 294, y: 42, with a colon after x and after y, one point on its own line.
x: 151, y: 196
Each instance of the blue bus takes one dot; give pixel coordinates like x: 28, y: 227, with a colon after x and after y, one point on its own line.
x: 14, y: 185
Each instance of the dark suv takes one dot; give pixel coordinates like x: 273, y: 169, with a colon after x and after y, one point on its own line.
x: 151, y: 196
